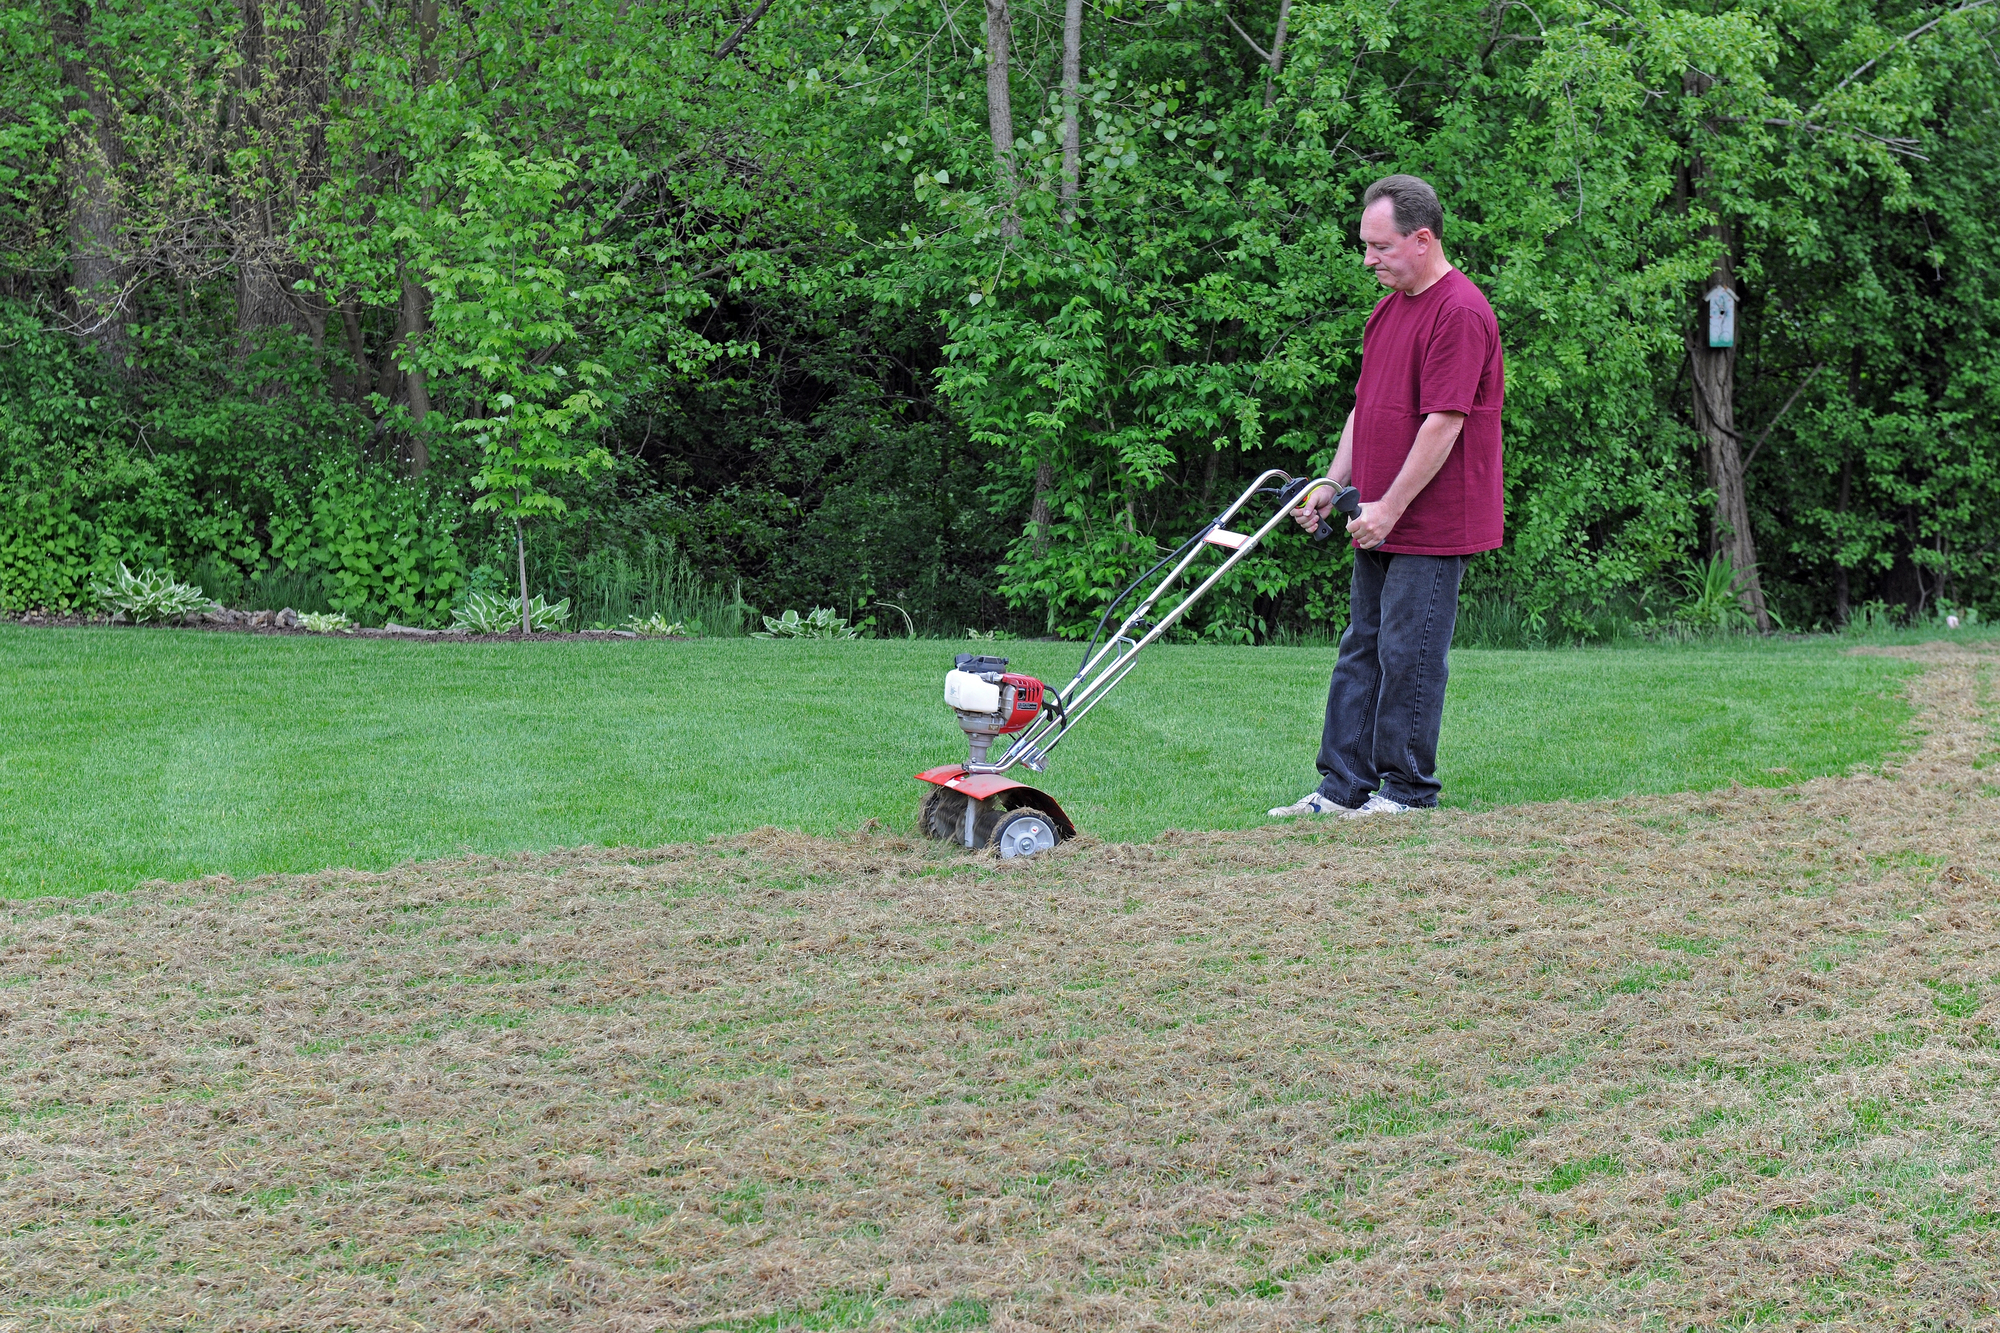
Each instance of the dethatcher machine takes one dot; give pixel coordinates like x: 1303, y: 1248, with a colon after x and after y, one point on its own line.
x: 975, y: 803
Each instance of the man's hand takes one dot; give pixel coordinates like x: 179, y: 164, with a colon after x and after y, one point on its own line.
x: 1315, y: 510
x: 1371, y: 527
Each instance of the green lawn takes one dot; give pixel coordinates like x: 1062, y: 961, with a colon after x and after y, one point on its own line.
x: 135, y: 754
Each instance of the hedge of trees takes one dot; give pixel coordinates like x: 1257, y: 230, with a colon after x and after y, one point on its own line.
x: 969, y: 305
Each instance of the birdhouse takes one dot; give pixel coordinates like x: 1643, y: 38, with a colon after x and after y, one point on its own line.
x: 1721, y: 316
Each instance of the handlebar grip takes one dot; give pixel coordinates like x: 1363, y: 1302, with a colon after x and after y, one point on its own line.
x: 1347, y: 501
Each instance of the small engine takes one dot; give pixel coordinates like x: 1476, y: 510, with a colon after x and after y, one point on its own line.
x: 990, y: 700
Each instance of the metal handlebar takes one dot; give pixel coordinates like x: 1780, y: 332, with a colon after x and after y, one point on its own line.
x: 1094, y: 679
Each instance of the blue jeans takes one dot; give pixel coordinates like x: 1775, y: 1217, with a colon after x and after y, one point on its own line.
x: 1387, y: 698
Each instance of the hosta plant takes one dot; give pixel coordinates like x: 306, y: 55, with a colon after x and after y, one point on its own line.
x: 484, y: 613
x: 655, y: 624
x: 324, y: 622
x: 820, y: 623
x: 152, y: 595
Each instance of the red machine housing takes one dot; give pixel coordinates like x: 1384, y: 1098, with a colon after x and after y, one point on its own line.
x: 1011, y: 795
x: 1027, y: 702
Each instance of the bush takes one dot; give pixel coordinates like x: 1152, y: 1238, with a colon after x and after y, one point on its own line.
x: 222, y: 581
x: 388, y: 547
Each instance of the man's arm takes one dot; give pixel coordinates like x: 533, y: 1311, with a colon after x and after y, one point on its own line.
x: 1433, y: 445
x: 1339, y: 472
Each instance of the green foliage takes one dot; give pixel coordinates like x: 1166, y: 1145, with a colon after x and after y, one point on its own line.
x: 324, y: 622
x: 150, y: 596
x: 503, y: 298
x: 45, y: 553
x: 1204, y: 306
x: 54, y: 466
x: 820, y: 623
x: 388, y: 282
x: 484, y: 613
x: 387, y: 548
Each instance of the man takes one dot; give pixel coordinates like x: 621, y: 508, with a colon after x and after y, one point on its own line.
x: 1423, y: 446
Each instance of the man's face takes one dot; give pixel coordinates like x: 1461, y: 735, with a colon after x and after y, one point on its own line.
x: 1399, y: 261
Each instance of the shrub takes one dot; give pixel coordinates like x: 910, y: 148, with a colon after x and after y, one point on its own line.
x: 382, y: 548
x: 152, y: 595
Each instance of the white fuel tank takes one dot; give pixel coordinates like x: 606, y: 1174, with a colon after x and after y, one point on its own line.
x: 969, y: 694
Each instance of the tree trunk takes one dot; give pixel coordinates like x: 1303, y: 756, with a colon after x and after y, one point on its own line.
x: 1000, y: 112
x: 1277, y: 60
x: 260, y: 284
x: 1714, y: 375
x: 1038, y: 513
x: 414, y: 322
x: 1072, y: 90
x: 1722, y: 453
x: 415, y: 298
x: 1842, y: 597
x: 357, y: 348
x: 98, y: 269
x: 521, y: 554
x: 426, y: 12
x: 276, y: 119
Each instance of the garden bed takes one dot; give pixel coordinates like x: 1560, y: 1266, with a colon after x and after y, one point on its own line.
x: 231, y: 621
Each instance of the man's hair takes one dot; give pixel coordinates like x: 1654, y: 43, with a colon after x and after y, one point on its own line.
x: 1415, y: 202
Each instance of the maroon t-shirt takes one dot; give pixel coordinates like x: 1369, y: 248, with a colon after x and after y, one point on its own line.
x: 1437, y: 351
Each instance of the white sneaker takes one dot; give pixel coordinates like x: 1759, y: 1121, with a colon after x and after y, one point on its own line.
x: 1378, y: 804
x: 1312, y: 803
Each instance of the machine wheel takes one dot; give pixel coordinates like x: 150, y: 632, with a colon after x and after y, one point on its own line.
x: 1023, y: 833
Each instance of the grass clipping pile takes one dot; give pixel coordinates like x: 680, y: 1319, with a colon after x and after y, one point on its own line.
x: 1664, y: 1061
